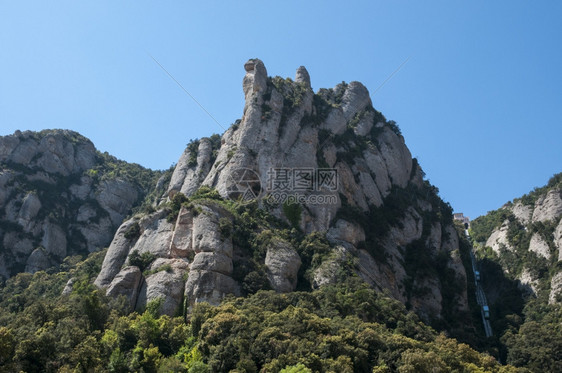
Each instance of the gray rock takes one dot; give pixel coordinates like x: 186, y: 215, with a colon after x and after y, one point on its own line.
x: 211, y: 261
x: 555, y: 288
x: 255, y: 80
x: 117, y: 197
x: 283, y: 263
x: 396, y: 156
x: 377, y: 166
x: 37, y: 261
x: 69, y: 286
x: 57, y: 154
x: 82, y: 190
x: 179, y: 174
x: 18, y: 245
x: 156, y: 235
x: 365, y: 124
x: 98, y: 234
x: 383, y: 277
x: 548, y: 207
x: 272, y: 135
x: 539, y: 246
x: 206, y: 234
x: 85, y: 213
x: 167, y: 285
x: 355, y: 99
x: 196, y: 175
x: 54, y: 240
x: 29, y: 209
x: 349, y: 187
x: 116, y: 255
x: 4, y: 272
x: 208, y: 286
x: 527, y: 283
x: 181, y: 245
x: 451, y: 240
x: 498, y: 238
x: 434, y: 239
x: 302, y: 76
x: 558, y: 240
x: 126, y: 283
x: 522, y: 212
x: 336, y: 123
x: 409, y: 230
x: 455, y: 263
x: 346, y: 231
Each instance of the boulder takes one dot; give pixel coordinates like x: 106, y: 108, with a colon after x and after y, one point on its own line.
x: 282, y: 262
x: 126, y: 283
x: 167, y: 284
x: 37, y: 261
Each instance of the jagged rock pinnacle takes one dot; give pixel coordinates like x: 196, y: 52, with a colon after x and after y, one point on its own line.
x: 302, y: 76
x: 255, y: 79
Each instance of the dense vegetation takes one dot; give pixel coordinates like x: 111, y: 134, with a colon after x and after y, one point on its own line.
x: 343, y: 328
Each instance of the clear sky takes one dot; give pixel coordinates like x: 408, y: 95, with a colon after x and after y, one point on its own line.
x: 478, y: 102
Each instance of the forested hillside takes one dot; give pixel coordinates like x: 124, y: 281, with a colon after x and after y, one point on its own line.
x: 342, y: 328
x: 519, y: 247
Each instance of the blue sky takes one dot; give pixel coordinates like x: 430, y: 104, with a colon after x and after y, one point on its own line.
x: 478, y: 101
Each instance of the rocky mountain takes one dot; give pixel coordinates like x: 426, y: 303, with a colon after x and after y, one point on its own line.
x: 525, y: 237
x: 60, y: 197
x: 305, y: 189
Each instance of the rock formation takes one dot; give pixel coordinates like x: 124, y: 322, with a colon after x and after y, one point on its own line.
x: 56, y: 199
x: 324, y: 162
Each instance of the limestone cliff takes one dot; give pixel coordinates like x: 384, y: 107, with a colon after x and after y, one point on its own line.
x: 326, y: 164
x: 59, y: 197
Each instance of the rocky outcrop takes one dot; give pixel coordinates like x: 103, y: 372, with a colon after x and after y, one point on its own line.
x: 555, y: 295
x: 558, y: 239
x: 189, y: 259
x: 126, y: 283
x: 283, y: 263
x: 539, y: 246
x: 165, y: 285
x: 522, y: 212
x: 57, y: 198
x: 498, y: 238
x: 527, y: 283
x: 349, y: 175
x: 548, y: 206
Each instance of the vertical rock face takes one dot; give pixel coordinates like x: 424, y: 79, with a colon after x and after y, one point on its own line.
x: 548, y: 207
x: 56, y: 199
x: 352, y: 178
x: 283, y: 263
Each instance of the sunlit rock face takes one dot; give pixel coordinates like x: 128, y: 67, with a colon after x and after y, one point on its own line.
x: 377, y: 208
